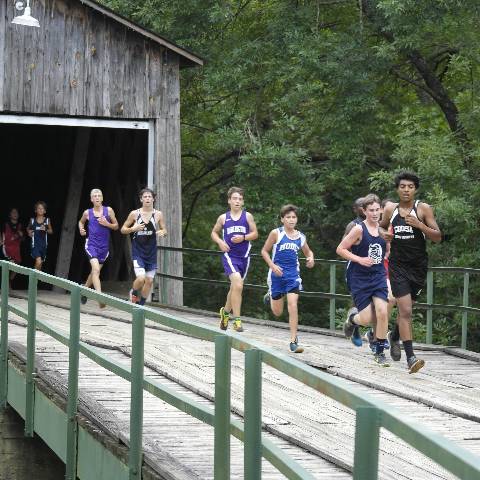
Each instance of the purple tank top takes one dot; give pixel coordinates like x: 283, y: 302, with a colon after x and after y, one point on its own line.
x: 233, y: 227
x: 98, y: 235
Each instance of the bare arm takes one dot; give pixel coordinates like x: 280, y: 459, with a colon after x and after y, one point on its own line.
x: 29, y: 228
x: 113, y: 223
x: 308, y: 255
x: 81, y: 223
x: 49, y: 227
x: 253, y: 234
x: 162, y: 231
x: 429, y: 225
x: 215, y: 235
x: 127, y: 227
x: 266, y: 249
x: 343, y: 249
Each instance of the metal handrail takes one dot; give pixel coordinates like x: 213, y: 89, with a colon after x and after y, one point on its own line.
x: 371, y: 413
x: 429, y: 306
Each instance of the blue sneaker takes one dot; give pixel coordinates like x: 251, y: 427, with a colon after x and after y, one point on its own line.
x: 294, y: 348
x: 356, y: 337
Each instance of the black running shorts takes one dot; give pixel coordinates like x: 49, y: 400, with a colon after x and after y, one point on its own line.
x: 407, y: 278
x: 280, y: 295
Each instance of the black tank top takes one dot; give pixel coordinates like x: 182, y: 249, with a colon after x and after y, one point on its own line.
x: 408, y: 244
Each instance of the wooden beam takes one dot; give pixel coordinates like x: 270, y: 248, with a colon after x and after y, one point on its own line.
x: 168, y: 174
x: 67, y: 235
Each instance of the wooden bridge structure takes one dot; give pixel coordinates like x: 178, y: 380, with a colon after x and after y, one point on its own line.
x: 158, y: 393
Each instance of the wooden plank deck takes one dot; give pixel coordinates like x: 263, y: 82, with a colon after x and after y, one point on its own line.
x: 315, y: 430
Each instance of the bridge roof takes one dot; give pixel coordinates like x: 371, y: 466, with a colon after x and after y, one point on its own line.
x: 188, y: 58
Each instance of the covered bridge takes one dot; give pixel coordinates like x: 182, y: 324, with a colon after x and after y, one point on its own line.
x: 89, y: 100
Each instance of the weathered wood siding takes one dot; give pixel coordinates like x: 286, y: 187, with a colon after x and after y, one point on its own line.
x: 168, y: 177
x: 79, y: 63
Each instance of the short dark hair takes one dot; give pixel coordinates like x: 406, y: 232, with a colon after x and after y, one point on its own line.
x: 233, y: 190
x: 40, y: 202
x: 147, y: 190
x: 385, y: 201
x: 287, y: 209
x: 410, y: 176
x: 370, y: 199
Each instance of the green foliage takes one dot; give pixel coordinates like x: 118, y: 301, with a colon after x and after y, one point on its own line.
x: 318, y: 103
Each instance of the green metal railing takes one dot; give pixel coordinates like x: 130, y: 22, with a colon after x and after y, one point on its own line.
x: 371, y: 414
x: 331, y: 295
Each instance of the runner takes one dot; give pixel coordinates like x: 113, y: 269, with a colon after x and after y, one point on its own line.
x: 364, y: 248
x: 12, y: 237
x: 145, y: 225
x: 238, y: 230
x: 412, y: 222
x: 284, y: 274
x: 38, y: 230
x: 101, y: 220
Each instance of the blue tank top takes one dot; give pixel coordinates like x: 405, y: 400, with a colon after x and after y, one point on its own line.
x: 370, y: 246
x: 233, y: 227
x: 98, y: 235
x: 144, y: 242
x: 39, y: 238
x: 285, y: 250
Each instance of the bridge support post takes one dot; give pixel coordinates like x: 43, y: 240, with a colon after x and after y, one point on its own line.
x: 429, y: 339
x: 222, y: 407
x: 466, y: 282
x: 30, y: 367
x: 136, y: 403
x: 253, y: 415
x: 4, y: 338
x: 367, y: 430
x: 72, y: 401
x: 333, y: 281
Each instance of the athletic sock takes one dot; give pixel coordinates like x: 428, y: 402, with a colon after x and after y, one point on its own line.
x: 379, y: 345
x: 408, y: 347
x: 142, y: 301
x: 395, y: 336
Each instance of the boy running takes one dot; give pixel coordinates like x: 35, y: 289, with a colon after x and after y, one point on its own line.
x: 284, y: 274
x: 364, y: 248
x: 101, y: 220
x: 238, y: 230
x: 38, y: 230
x: 145, y: 225
x: 412, y: 222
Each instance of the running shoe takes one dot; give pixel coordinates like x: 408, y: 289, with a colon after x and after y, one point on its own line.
x: 83, y: 299
x: 266, y: 299
x: 294, y: 347
x: 132, y: 297
x: 381, y: 359
x: 370, y: 338
x: 237, y: 325
x: 224, y: 318
x: 395, y: 350
x: 415, y: 364
x: 348, y: 326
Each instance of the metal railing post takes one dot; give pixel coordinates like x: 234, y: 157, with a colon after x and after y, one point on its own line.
x: 136, y: 399
x: 367, y: 430
x: 30, y: 367
x: 429, y: 308
x: 333, y: 281
x: 165, y: 269
x: 222, y: 407
x: 253, y: 415
x: 4, y: 337
x: 466, y: 283
x: 72, y: 401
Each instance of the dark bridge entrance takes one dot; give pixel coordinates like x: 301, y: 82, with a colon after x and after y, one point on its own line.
x: 38, y: 163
